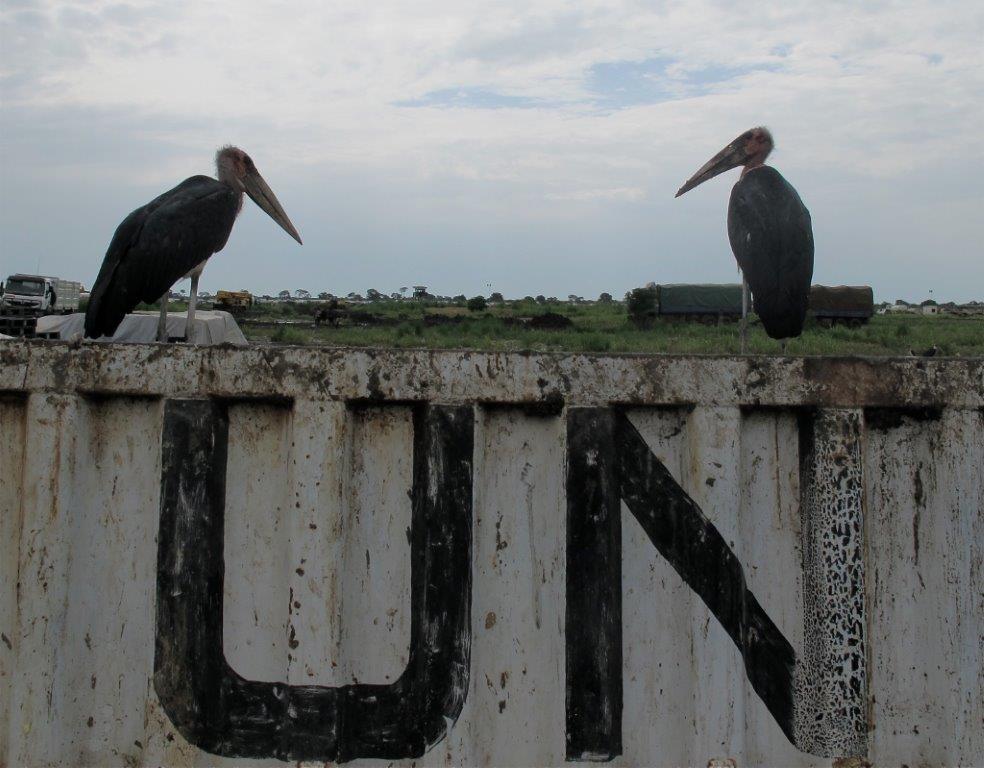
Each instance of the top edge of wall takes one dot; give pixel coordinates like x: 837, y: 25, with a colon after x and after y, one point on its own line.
x: 488, y: 378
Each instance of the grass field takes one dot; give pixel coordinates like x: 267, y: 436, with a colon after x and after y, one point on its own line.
x: 600, y: 328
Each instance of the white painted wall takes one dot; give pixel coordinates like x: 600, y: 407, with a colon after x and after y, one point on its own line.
x: 317, y: 579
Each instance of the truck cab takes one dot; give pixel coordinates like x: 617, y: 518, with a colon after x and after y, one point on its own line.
x: 39, y: 294
x: 27, y: 291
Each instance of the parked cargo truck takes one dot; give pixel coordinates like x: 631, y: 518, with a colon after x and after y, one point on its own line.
x: 25, y: 298
x: 850, y: 305
x: 708, y: 303
x: 40, y: 293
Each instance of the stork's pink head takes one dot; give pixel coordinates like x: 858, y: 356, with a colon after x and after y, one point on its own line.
x: 235, y: 168
x: 232, y: 165
x: 758, y: 145
x: 750, y: 150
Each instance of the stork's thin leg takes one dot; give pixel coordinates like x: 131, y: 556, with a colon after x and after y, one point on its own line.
x: 162, y: 323
x: 191, y: 305
x: 744, y: 314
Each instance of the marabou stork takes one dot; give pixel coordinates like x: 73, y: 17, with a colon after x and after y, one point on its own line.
x: 770, y: 233
x: 172, y: 237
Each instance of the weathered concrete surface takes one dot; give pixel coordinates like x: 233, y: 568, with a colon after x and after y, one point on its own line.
x: 490, y: 377
x: 317, y: 562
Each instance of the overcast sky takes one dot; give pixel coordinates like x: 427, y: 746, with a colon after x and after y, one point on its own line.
x: 511, y: 146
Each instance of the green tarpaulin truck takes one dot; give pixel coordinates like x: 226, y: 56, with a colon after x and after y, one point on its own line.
x: 845, y: 304
x: 703, y: 302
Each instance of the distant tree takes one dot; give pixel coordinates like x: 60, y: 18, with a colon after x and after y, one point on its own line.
x: 541, y: 299
x: 300, y: 293
x: 373, y: 295
x: 395, y: 296
x: 552, y: 300
x: 529, y: 300
x: 605, y: 298
x: 403, y: 291
x: 641, y: 305
x: 284, y: 295
x: 477, y: 303
x: 353, y: 296
x: 324, y: 295
x: 496, y: 298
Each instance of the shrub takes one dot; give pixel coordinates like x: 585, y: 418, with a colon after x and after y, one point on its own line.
x: 596, y: 342
x: 477, y: 303
x: 641, y: 306
x: 550, y: 320
x: 284, y: 334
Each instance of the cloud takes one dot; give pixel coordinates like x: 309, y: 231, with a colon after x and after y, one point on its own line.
x: 613, y: 193
x: 470, y: 98
x: 525, y: 114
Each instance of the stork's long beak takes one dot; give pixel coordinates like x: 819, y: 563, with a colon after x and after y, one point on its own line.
x: 730, y: 157
x: 261, y: 194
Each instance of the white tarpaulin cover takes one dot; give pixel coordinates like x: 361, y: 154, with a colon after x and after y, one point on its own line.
x: 209, y: 328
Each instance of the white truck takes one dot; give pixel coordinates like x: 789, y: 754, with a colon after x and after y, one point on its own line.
x: 39, y: 295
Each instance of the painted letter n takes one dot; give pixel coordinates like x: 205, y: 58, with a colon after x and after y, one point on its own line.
x: 609, y: 462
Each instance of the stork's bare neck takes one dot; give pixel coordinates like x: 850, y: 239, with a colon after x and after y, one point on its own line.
x: 230, y: 168
x: 749, y: 168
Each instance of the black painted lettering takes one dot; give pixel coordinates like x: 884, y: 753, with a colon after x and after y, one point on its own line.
x: 593, y: 624
x: 221, y: 712
x: 609, y: 462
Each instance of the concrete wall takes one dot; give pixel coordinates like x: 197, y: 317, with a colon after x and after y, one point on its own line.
x: 221, y: 556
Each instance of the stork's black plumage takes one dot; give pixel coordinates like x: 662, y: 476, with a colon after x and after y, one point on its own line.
x: 174, y: 234
x: 770, y: 232
x: 157, y: 245
x: 772, y: 238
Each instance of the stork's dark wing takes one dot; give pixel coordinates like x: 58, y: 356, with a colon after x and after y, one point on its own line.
x: 772, y: 237
x: 158, y: 244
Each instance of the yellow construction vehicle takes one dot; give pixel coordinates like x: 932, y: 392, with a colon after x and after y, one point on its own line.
x: 233, y: 301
